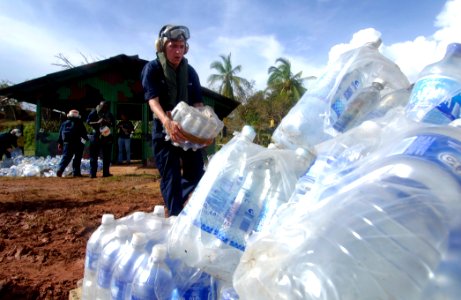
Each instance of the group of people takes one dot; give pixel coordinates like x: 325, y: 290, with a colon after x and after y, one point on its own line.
x: 73, y: 137
x: 9, y: 141
x: 166, y: 80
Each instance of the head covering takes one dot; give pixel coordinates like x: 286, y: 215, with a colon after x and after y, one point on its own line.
x: 73, y: 114
x: 16, y: 132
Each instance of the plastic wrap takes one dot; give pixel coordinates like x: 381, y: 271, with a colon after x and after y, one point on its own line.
x: 238, y: 194
x: 378, y: 232
x: 310, y: 121
x: 199, y: 124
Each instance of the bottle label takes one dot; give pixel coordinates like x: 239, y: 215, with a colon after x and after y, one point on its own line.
x: 91, y: 260
x: 104, y: 276
x: 435, y: 100
x: 120, y: 289
x: 212, y: 217
x: 439, y: 149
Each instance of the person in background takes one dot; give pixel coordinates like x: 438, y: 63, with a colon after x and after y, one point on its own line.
x: 102, y: 121
x: 125, y: 129
x: 9, y: 141
x: 167, y: 80
x: 71, y: 141
x: 21, y: 140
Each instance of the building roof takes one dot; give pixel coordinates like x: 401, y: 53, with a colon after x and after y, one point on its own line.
x: 69, y: 88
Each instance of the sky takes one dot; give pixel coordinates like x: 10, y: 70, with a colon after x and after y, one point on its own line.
x: 309, y: 33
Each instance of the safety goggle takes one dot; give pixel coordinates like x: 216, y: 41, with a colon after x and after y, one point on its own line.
x: 176, y: 32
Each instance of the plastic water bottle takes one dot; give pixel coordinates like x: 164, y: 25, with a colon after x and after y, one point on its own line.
x: 436, y: 96
x: 109, y: 255
x: 445, y: 284
x: 203, y: 288
x: 159, y: 211
x: 154, y: 279
x: 359, y: 105
x: 193, y: 235
x: 351, y: 83
x: 125, y: 267
x: 380, y: 236
x: 93, y: 251
x: 397, y: 98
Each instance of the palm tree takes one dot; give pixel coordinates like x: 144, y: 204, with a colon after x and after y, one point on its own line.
x: 282, y: 81
x: 227, y: 78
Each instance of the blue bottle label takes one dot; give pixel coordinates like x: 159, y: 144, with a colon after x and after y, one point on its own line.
x: 119, y: 289
x: 91, y: 260
x: 104, y: 276
x: 214, y: 216
x: 438, y: 149
x: 435, y: 100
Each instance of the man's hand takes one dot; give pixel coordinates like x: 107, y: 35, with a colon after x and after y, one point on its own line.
x: 174, y: 131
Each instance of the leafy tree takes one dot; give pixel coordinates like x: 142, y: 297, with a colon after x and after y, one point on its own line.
x: 230, y: 85
x: 283, y: 82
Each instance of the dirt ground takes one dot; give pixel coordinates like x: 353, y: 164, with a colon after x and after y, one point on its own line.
x: 46, y: 222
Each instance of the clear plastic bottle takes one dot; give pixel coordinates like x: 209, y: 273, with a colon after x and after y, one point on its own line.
x: 331, y: 90
x: 109, y: 256
x: 204, y: 287
x: 397, y: 98
x: 154, y: 279
x: 193, y: 235
x: 94, y: 247
x: 380, y: 236
x: 436, y: 96
x: 359, y: 105
x: 445, y: 284
x: 159, y: 211
x: 126, y: 265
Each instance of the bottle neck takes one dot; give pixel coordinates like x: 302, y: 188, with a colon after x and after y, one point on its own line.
x: 453, y: 50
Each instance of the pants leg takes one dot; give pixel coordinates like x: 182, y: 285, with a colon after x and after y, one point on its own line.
x: 67, y: 154
x: 192, y: 171
x: 76, y: 163
x: 168, y: 163
x: 94, y: 153
x: 106, y: 158
x: 121, y: 145
x: 128, y: 150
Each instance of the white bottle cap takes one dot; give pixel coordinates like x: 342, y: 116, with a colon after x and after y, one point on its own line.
x: 138, y: 239
x: 138, y: 215
x: 122, y: 231
x: 455, y: 123
x: 369, y: 129
x: 159, y: 210
x: 107, y: 219
x: 170, y: 220
x: 159, y: 252
x: 154, y: 224
x: 302, y: 153
x: 248, y: 132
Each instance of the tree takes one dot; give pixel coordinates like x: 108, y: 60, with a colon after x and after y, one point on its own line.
x: 282, y: 81
x: 230, y: 85
x: 65, y: 63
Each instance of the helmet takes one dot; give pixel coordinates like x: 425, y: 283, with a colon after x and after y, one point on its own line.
x: 105, y: 131
x: 73, y: 114
x: 172, y: 32
x: 16, y: 132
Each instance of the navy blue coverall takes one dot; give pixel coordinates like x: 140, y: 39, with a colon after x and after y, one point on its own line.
x: 180, y: 170
x: 71, y: 133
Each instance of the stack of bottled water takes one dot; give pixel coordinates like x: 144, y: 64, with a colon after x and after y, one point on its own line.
x: 436, y: 96
x: 29, y: 166
x: 239, y: 193
x: 344, y: 88
x: 124, y: 257
x: 200, y: 123
x: 379, y: 232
